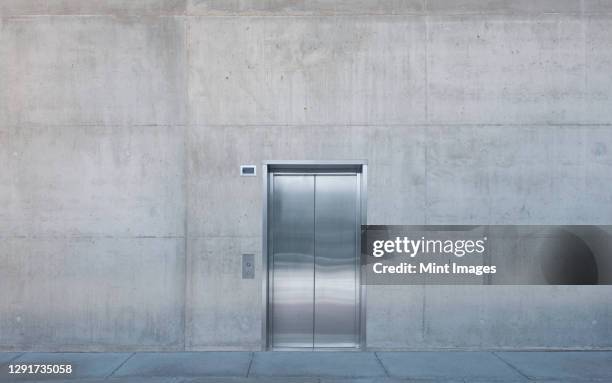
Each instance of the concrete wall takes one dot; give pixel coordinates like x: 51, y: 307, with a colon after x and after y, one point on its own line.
x: 123, y: 125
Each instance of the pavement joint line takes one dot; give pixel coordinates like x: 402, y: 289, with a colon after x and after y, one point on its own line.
x: 511, y: 366
x: 250, y: 364
x: 16, y: 357
x: 120, y: 365
x: 381, y: 364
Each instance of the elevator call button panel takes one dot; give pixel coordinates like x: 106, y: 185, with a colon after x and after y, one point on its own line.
x: 248, y: 266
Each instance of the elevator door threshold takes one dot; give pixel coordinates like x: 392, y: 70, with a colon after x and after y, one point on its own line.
x: 317, y: 349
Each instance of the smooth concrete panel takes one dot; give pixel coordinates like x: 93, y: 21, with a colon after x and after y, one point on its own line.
x: 214, y: 156
x: 60, y: 71
x: 305, y: 7
x: 394, y: 316
x: 598, y: 7
x: 396, y: 172
x: 599, y: 65
x: 92, y: 181
x: 489, y: 317
x: 313, y: 70
x: 505, y: 7
x: 518, y: 317
x: 84, y: 365
x: 91, y: 294
x: 6, y: 178
x: 396, y: 7
x: 509, y: 70
x: 300, y: 7
x: 562, y: 365
x: 397, y: 176
x: 186, y: 364
x: 223, y: 310
x: 519, y: 175
x: 92, y: 7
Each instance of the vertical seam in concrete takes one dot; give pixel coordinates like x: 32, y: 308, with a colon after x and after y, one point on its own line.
x: 426, y: 155
x: 585, y: 34
x: 426, y: 65
x: 120, y: 365
x: 426, y: 212
x: 511, y: 366
x: 423, y: 306
x: 187, y: 264
x: 382, y: 365
x: 426, y: 170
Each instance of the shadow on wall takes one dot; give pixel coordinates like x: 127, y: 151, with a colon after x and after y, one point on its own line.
x: 576, y: 256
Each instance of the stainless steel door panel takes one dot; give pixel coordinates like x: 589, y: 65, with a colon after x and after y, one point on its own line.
x: 292, y: 273
x: 335, y: 296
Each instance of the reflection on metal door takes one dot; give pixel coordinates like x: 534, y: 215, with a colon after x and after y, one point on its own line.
x: 314, y: 222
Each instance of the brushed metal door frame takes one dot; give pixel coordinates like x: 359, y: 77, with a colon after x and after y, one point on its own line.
x: 358, y: 167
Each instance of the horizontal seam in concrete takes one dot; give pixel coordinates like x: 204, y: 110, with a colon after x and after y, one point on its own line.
x: 383, y: 125
x: 120, y: 365
x: 308, y: 15
x: 511, y: 365
x: 90, y: 125
x: 489, y: 349
x: 117, y: 16
x: 526, y: 16
x: 406, y: 124
x: 90, y: 237
x: 316, y: 125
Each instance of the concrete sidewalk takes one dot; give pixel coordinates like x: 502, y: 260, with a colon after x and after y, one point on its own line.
x: 319, y: 367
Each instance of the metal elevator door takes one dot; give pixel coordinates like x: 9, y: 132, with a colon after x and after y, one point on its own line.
x: 313, y: 268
